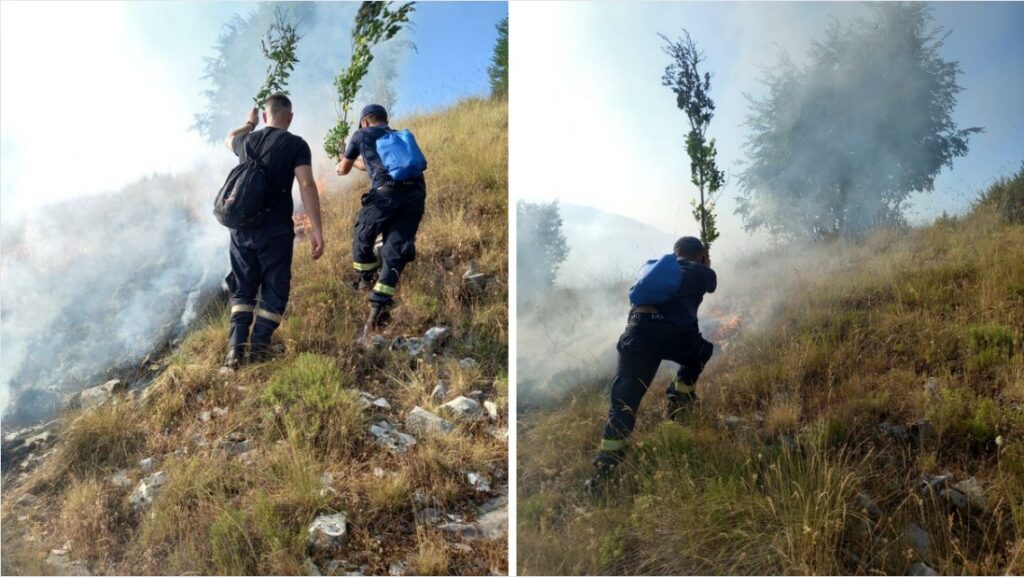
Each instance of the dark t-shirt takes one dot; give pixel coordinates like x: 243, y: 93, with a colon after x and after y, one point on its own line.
x: 282, y: 152
x: 681, y: 311
x: 364, y: 143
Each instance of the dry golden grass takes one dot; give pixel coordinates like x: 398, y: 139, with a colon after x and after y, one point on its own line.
x: 845, y: 353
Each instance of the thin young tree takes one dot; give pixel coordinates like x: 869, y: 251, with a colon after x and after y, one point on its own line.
x: 376, y: 22
x: 279, y: 48
x: 693, y: 96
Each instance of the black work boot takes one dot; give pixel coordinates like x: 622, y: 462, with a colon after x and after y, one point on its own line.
x: 380, y: 316
x: 680, y: 405
x: 362, y: 283
x: 260, y: 352
x: 604, y: 469
x: 235, y: 357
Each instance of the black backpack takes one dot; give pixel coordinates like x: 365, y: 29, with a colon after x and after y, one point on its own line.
x: 242, y: 201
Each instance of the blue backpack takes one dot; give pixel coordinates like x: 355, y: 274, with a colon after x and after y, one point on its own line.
x: 657, y: 282
x: 400, y: 155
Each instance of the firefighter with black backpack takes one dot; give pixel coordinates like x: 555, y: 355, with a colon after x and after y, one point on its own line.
x: 662, y: 325
x: 256, y: 204
x: 392, y: 208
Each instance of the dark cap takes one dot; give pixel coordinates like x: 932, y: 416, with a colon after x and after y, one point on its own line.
x: 688, y: 246
x: 374, y: 109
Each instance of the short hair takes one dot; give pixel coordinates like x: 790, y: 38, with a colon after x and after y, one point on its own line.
x: 278, y: 102
x: 374, y: 118
x: 689, y: 246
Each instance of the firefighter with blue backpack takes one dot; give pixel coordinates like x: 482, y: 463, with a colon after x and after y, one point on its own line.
x: 662, y: 325
x: 392, y: 208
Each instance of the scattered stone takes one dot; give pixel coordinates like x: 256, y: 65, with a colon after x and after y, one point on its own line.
x: 205, y: 416
x: 464, y: 530
x: 492, y: 410
x: 732, y: 422
x: 475, y: 282
x: 428, y: 516
x: 148, y: 464
x: 378, y: 472
x: 494, y: 504
x: 493, y: 525
x: 376, y: 343
x: 422, y: 422
x: 478, y: 482
x: 236, y: 443
x: 973, y: 490
x: 500, y: 433
x: 935, y: 482
x: 147, y: 489
x: 328, y: 533
x: 96, y: 396
x: 386, y: 435
x: 326, y: 479
x: 310, y: 568
x: 461, y: 409
x: 439, y: 393
x: 397, y: 569
x: 219, y: 412
x: 436, y: 337
x: 477, y: 396
x: 225, y: 371
x: 120, y: 479
x: 412, y: 345
x: 922, y: 570
x: 869, y: 506
x: 462, y: 548
x: 382, y: 404
x: 62, y: 564
x: 468, y: 363
x: 918, y: 539
x: 958, y: 499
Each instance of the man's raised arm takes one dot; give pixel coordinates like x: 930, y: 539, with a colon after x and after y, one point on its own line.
x: 249, y: 126
x: 311, y: 202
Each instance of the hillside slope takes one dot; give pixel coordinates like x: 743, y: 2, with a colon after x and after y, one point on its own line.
x: 242, y: 464
x: 872, y: 422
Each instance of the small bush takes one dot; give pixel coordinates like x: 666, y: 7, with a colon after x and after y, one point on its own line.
x: 1006, y: 198
x: 315, y: 407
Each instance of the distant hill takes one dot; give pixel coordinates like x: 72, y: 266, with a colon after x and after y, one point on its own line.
x: 606, y: 246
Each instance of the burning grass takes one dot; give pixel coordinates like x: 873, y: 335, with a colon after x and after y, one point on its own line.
x: 898, y: 359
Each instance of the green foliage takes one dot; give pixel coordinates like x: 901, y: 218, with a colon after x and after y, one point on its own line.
x: 497, y: 72
x: 279, y: 48
x: 1006, y: 197
x: 376, y: 22
x: 693, y: 97
x: 991, y: 345
x: 316, y: 409
x: 541, y: 245
x: 838, y: 146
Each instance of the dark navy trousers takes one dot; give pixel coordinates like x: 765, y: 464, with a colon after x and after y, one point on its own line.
x: 395, y: 213
x: 261, y: 274
x: 647, y: 341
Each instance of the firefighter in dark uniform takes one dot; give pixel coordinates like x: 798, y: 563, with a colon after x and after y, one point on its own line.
x: 666, y: 332
x: 392, y: 209
x: 261, y: 258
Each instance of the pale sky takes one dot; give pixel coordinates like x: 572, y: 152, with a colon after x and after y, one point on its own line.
x: 591, y: 123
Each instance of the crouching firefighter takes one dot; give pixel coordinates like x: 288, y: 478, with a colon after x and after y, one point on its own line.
x: 662, y: 325
x: 392, y: 208
x: 256, y: 204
